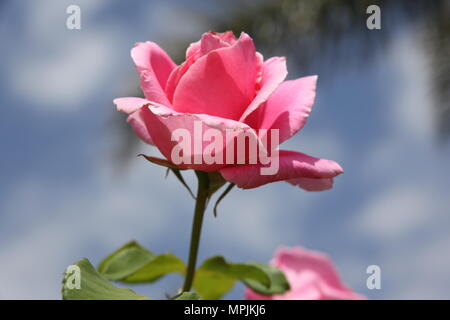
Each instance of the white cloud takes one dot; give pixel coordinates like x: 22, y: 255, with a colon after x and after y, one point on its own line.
x: 55, y: 68
x: 259, y: 220
x: 396, y: 212
x: 411, y: 111
x: 62, y: 78
x: 404, y: 217
x: 73, y: 218
x: 323, y: 144
x: 419, y: 272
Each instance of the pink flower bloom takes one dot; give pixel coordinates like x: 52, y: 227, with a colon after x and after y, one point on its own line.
x: 228, y: 86
x: 311, y: 276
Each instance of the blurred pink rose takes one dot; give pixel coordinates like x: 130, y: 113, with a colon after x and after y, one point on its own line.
x: 225, y: 84
x: 311, y: 276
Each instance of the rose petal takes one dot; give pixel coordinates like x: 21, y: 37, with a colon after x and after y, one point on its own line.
x: 195, y: 49
x: 162, y: 122
x: 326, y: 277
x: 132, y: 106
x: 139, y: 127
x: 311, y: 276
x: 209, y: 41
x: 129, y: 104
x: 287, y: 109
x: 292, y: 165
x: 220, y: 83
x: 154, y: 67
x: 274, y: 71
x: 212, y: 41
x: 310, y: 184
x: 176, y: 75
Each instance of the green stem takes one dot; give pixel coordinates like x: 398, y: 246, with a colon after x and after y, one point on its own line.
x: 200, y: 205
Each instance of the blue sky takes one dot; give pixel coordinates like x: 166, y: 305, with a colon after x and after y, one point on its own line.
x: 62, y: 196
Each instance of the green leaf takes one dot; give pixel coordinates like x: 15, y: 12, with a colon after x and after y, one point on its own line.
x: 212, y: 285
x: 125, y: 261
x: 134, y: 264
x: 278, y: 281
x: 216, y: 276
x: 157, y: 267
x: 187, y: 296
x: 93, y: 286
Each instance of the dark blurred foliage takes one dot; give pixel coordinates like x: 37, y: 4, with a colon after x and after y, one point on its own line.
x: 437, y: 43
x: 125, y: 137
x: 309, y: 32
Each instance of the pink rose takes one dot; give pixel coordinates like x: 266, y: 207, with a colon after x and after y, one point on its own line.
x: 311, y: 276
x: 226, y: 85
